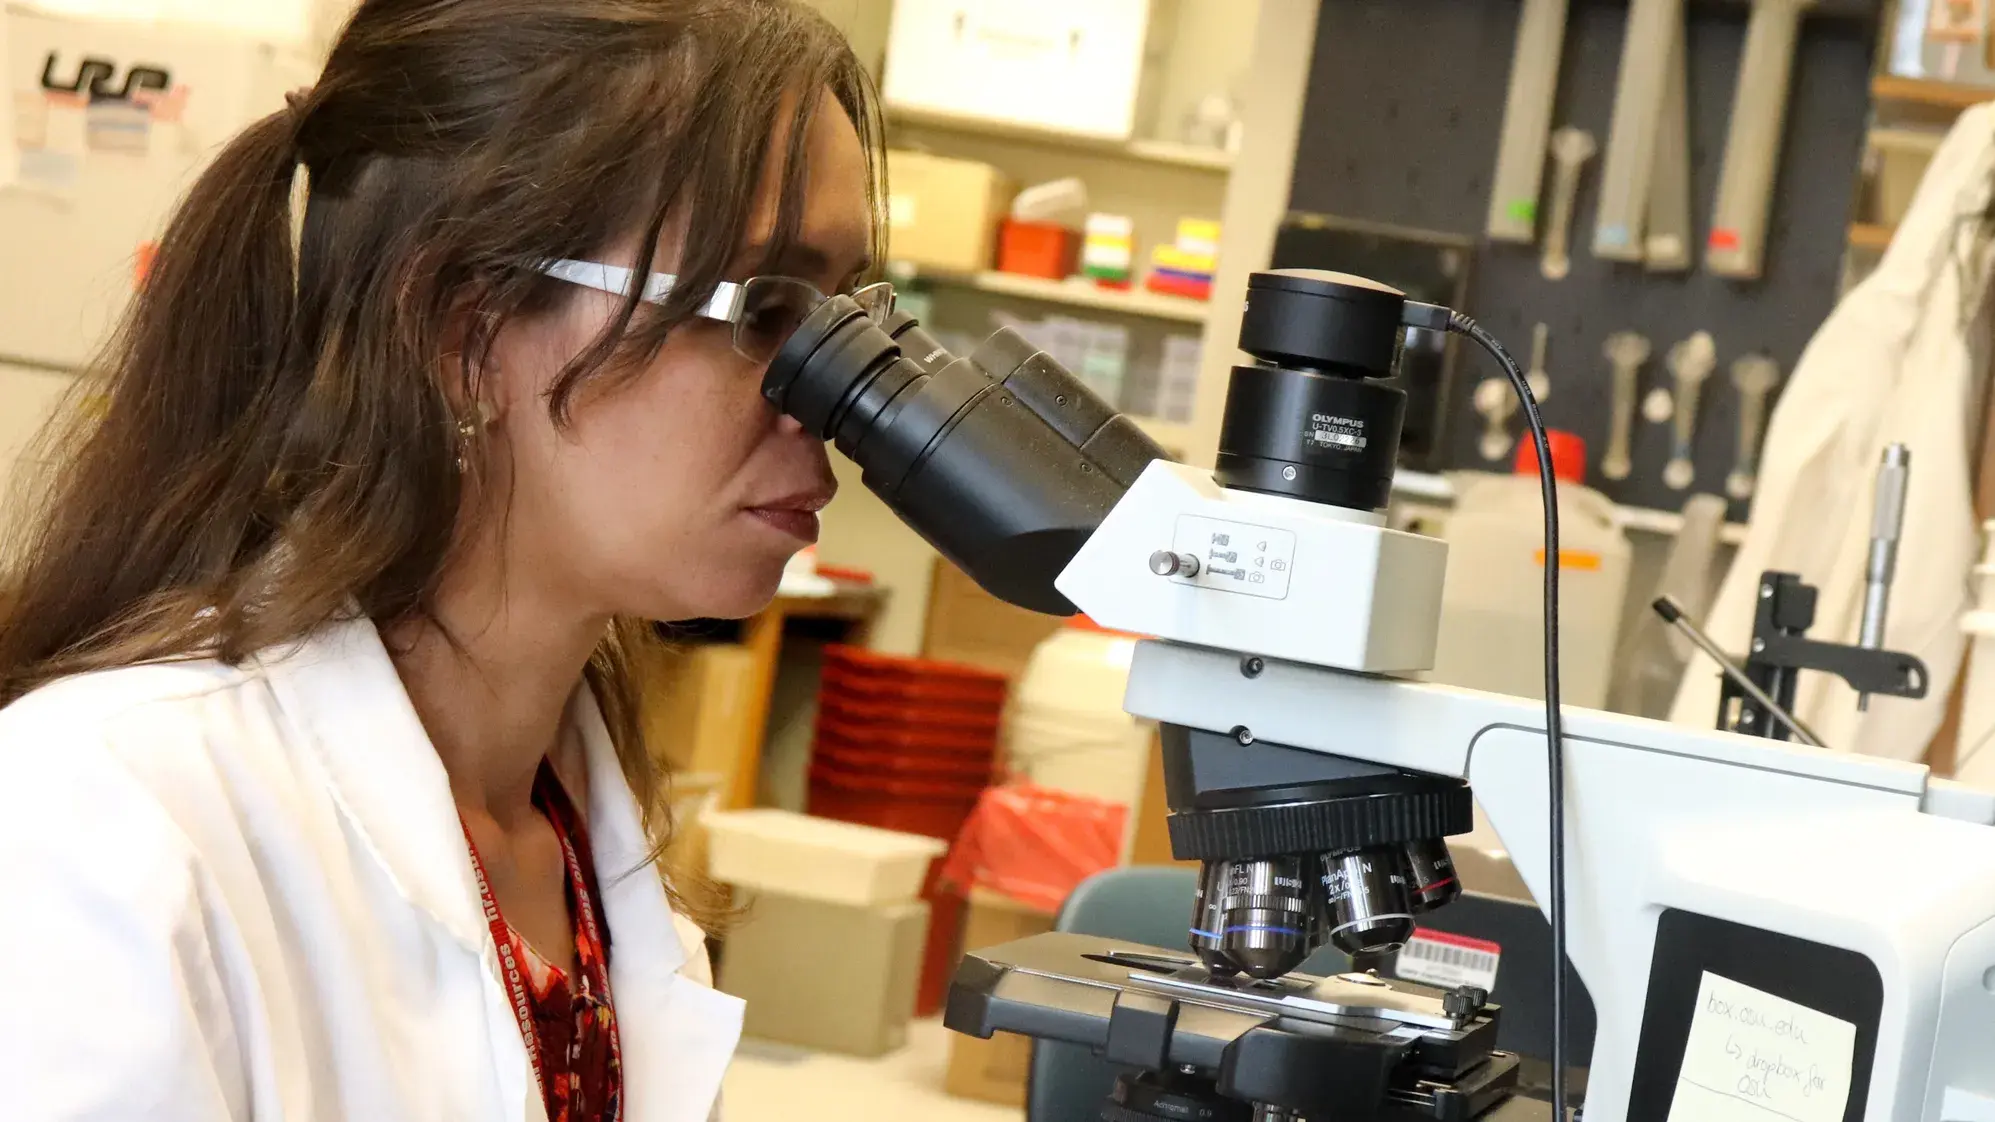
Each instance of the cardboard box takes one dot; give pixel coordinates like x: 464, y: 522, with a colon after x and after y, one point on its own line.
x: 944, y: 213
x: 993, y: 1070
x: 772, y: 850
x: 1488, y: 871
x: 968, y: 625
x: 833, y: 977
x: 697, y: 706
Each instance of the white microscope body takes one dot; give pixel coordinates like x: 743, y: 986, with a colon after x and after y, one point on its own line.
x: 1698, y: 862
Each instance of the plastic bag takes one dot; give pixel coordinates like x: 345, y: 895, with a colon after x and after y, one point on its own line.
x: 1034, y: 844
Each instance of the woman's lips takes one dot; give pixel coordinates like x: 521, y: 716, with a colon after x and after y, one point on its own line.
x: 799, y: 524
x: 795, y: 515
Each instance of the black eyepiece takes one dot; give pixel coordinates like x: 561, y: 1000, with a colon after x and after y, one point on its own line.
x: 1309, y: 420
x: 1003, y: 461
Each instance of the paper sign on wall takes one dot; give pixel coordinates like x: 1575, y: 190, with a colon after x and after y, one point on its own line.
x: 1755, y: 1057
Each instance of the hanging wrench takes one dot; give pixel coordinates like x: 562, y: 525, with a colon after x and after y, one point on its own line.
x: 1690, y: 364
x: 1755, y: 377
x: 1497, y: 403
x: 1539, y: 379
x: 1571, y: 148
x: 1627, y: 352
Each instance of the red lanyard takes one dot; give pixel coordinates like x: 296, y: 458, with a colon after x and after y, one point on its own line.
x: 509, y: 964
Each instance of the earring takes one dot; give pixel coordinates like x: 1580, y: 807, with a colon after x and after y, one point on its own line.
x: 468, y: 429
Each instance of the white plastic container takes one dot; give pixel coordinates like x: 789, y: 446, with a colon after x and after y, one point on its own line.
x: 1065, y: 727
x: 1077, y: 66
x: 817, y: 858
x: 1492, y: 621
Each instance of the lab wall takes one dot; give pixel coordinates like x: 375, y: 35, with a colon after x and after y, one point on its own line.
x: 28, y: 397
x: 1401, y: 124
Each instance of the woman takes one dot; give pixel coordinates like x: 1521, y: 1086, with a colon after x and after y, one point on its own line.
x: 324, y: 795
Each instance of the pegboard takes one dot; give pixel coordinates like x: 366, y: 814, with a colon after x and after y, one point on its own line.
x: 1400, y: 125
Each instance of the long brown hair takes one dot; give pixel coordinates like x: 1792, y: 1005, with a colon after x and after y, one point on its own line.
x: 273, y: 442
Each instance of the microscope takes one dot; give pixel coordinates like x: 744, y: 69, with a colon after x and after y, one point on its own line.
x: 1766, y: 930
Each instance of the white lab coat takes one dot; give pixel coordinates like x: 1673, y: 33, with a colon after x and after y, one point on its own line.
x: 1899, y: 359
x: 243, y: 893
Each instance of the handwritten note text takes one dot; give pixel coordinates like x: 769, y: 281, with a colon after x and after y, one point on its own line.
x: 1755, y: 1057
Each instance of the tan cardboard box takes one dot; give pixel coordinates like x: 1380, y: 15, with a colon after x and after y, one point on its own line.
x: 968, y: 625
x: 833, y: 977
x: 696, y: 706
x: 993, y: 1070
x: 944, y: 213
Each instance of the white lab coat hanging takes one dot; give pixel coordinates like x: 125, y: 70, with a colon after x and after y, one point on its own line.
x: 243, y: 893
x: 1897, y: 360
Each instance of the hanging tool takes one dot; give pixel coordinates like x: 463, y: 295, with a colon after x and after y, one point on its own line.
x: 1626, y: 351
x: 1754, y: 377
x: 1527, y: 121
x: 1887, y: 525
x: 1737, y: 247
x: 1619, y: 222
x: 1690, y: 366
x: 1658, y: 406
x: 1571, y: 148
x: 1540, y: 379
x: 1666, y: 246
x: 1497, y: 403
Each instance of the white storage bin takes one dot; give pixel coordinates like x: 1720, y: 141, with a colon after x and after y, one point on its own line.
x: 1066, y: 728
x: 817, y: 858
x: 1074, y: 66
x: 1492, y: 609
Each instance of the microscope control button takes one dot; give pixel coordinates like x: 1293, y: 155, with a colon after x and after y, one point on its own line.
x: 1166, y: 563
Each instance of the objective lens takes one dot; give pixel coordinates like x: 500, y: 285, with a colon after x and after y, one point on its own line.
x: 1434, y: 883
x: 1268, y: 917
x: 1208, y: 920
x: 1370, y: 910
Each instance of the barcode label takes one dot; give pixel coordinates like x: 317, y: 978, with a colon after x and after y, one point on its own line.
x: 1439, y: 958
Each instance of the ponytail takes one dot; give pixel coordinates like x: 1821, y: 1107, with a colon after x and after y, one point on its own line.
x: 181, y: 401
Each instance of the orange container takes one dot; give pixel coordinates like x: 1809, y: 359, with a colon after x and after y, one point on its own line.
x: 1038, y: 249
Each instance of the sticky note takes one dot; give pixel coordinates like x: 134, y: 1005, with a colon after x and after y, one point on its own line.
x: 1755, y: 1057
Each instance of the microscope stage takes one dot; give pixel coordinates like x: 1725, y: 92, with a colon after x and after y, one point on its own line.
x: 1351, y: 1047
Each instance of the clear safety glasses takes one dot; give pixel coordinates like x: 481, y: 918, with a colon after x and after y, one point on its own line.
x: 763, y: 311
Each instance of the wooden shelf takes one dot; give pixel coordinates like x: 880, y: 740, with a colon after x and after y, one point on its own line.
x: 1161, y: 152
x: 1439, y: 488
x: 1924, y: 91
x: 1076, y: 292
x: 1871, y: 236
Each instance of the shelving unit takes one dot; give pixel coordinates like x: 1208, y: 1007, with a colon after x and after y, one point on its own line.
x: 1951, y: 96
x: 1870, y: 236
x: 1903, y: 107
x: 1160, y: 152
x: 1076, y: 292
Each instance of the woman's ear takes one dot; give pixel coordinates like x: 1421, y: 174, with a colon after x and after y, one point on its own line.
x: 467, y: 367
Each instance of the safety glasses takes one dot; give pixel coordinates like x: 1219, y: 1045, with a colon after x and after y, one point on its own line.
x: 763, y: 311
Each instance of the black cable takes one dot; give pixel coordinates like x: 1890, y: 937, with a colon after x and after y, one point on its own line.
x: 1554, y: 730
